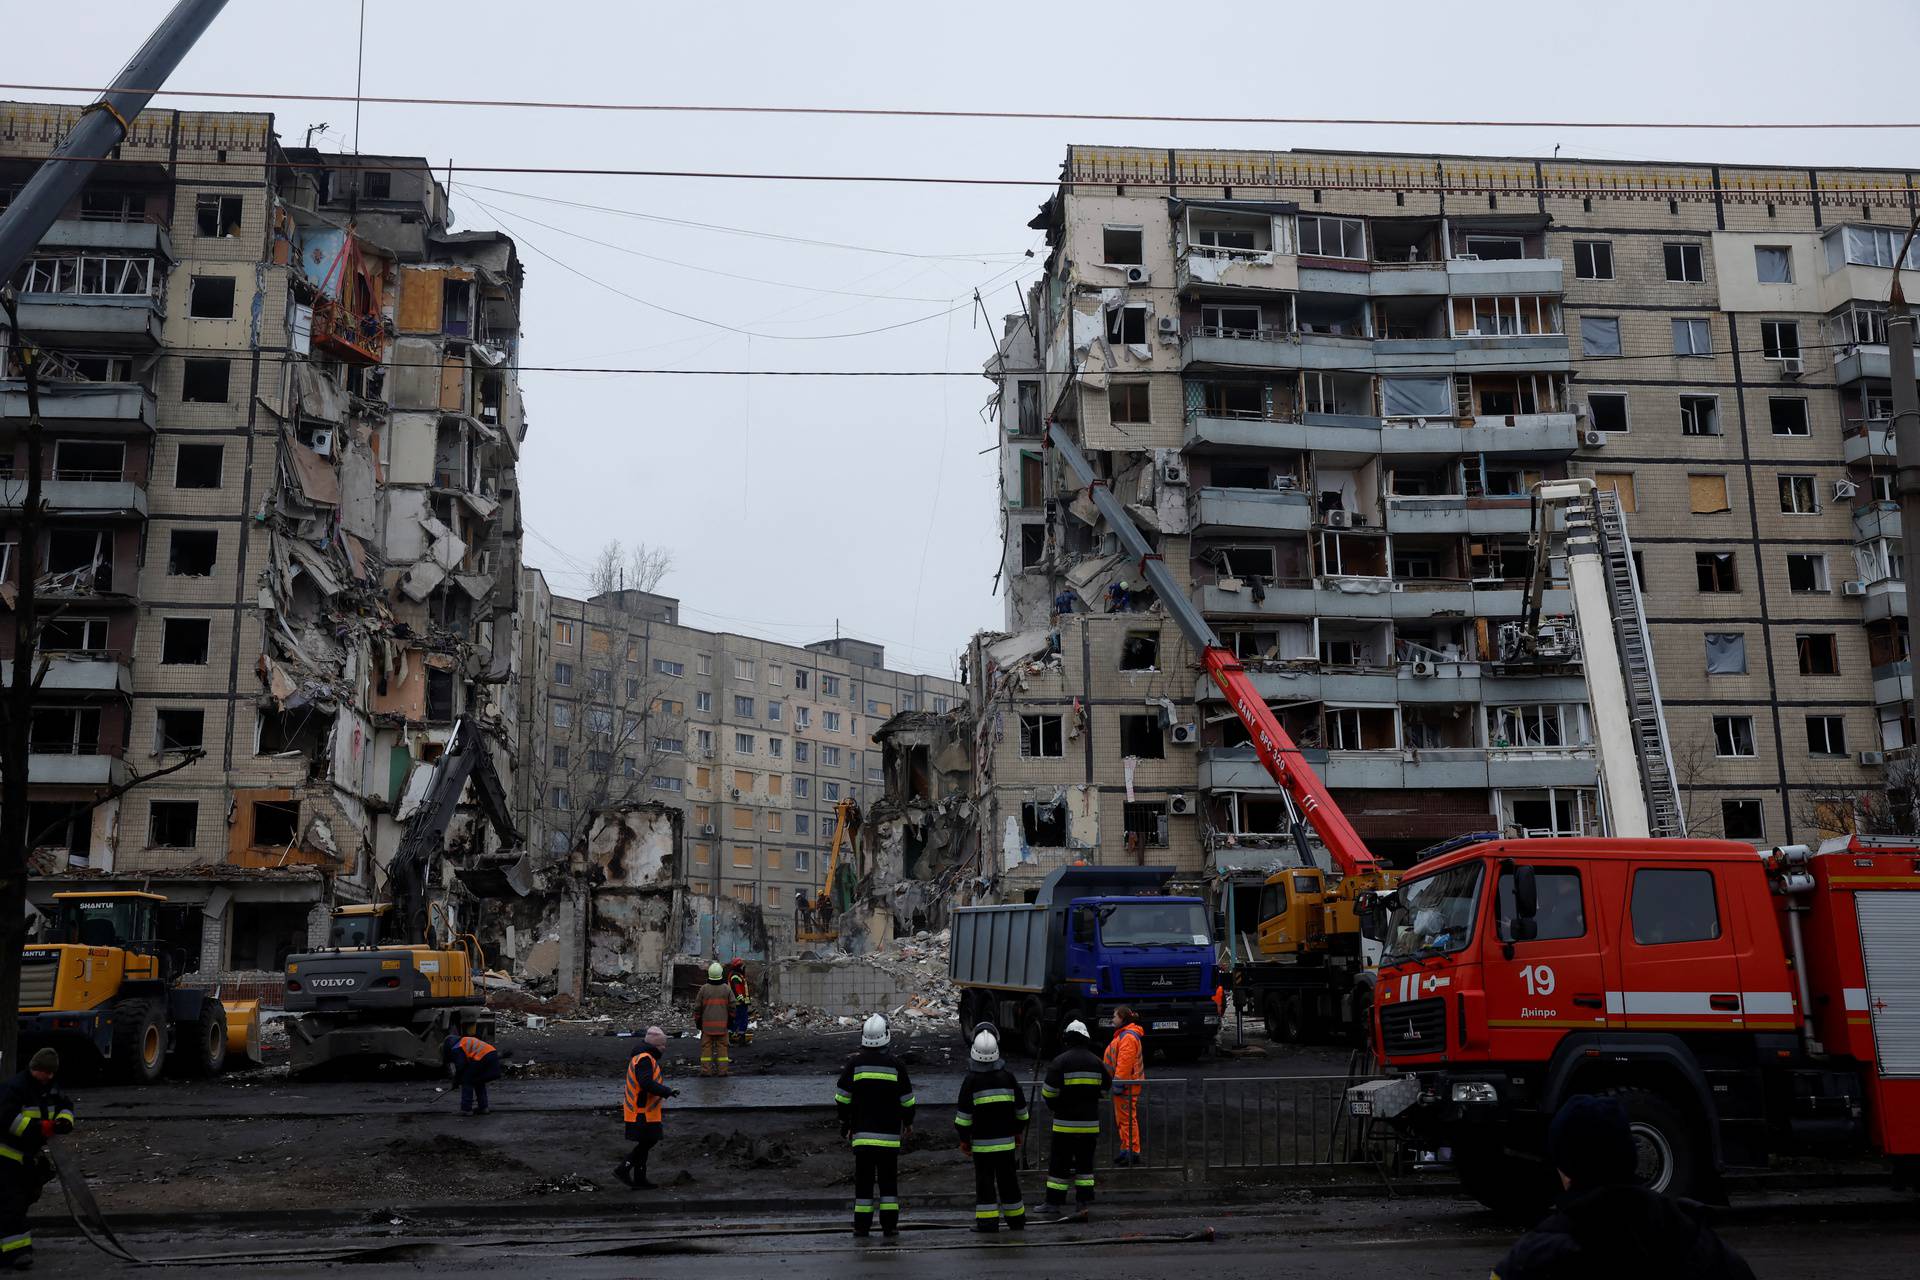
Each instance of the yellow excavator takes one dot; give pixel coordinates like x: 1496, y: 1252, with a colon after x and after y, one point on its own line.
x: 395, y: 979
x: 836, y: 891
x: 103, y: 985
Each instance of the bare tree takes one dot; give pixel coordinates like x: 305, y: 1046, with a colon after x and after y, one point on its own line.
x: 1693, y: 767
x: 636, y: 568
x: 1847, y: 806
x: 610, y: 754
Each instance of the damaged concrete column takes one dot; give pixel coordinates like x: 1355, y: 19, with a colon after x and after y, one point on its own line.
x: 575, y: 909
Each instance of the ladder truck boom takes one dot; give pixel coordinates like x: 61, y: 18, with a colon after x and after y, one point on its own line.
x: 1278, y: 752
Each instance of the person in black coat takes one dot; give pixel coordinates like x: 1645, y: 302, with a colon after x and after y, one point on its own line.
x: 32, y: 1111
x: 1604, y: 1225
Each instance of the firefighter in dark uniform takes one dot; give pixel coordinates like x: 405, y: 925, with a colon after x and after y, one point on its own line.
x: 992, y: 1118
x: 874, y: 1097
x: 32, y: 1111
x: 1075, y: 1088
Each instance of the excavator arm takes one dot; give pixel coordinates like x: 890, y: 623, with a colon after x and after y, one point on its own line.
x: 465, y: 759
x: 1278, y: 752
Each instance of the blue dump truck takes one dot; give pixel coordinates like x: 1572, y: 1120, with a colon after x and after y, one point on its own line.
x: 1094, y: 938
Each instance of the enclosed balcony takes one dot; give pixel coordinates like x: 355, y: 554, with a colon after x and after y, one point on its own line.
x: 103, y: 408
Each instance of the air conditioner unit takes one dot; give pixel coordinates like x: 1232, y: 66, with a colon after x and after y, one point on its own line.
x: 1424, y: 667
x: 1854, y: 588
x: 320, y: 440
x: 1873, y: 757
x: 1178, y: 803
x: 1358, y: 519
x: 736, y: 793
x: 1286, y: 483
x: 1138, y: 275
x: 1335, y: 519
x: 1173, y: 473
x: 1594, y: 439
x: 1169, y: 326
x: 1844, y: 489
x: 1466, y: 257
x: 1397, y: 586
x: 1185, y: 735
x: 707, y: 830
x: 1792, y: 368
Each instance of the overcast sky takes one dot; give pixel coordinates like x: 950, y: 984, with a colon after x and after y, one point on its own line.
x: 792, y: 504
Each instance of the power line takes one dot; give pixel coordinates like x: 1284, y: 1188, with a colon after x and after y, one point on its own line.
x: 928, y: 113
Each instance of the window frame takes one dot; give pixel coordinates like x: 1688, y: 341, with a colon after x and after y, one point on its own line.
x: 1593, y: 259
x: 1672, y: 251
x: 1735, y: 725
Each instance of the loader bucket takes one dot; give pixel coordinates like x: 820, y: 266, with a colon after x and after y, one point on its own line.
x: 243, y: 1031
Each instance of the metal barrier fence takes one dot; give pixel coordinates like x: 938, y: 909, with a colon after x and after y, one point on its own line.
x: 1161, y: 1116
x: 1278, y: 1122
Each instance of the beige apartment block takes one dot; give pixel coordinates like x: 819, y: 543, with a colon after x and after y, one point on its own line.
x: 755, y: 741
x: 282, y: 420
x: 1323, y: 384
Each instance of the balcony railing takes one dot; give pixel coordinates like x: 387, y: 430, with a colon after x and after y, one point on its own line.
x: 79, y: 473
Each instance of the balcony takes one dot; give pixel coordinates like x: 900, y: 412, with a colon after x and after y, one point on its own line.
x: 1545, y: 435
x: 1239, y: 769
x: 1400, y: 768
x: 83, y: 495
x: 1222, y: 268
x: 1893, y: 682
x: 1886, y: 598
x: 1385, y: 280
x: 1376, y: 598
x: 93, y: 321
x: 1563, y: 767
x: 1283, y: 349
x: 74, y: 769
x: 1876, y: 520
x: 1868, y: 439
x: 1854, y: 364
x: 1467, y: 277
x: 1359, y: 435
x: 110, y: 408
x: 1251, y: 511
x: 1457, y: 514
x: 137, y: 238
x: 80, y: 673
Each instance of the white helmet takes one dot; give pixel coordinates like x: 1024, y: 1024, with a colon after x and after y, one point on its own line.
x: 986, y: 1050
x: 875, y: 1035
x: 1077, y: 1028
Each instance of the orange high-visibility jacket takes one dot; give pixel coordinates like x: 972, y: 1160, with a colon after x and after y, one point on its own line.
x: 712, y: 1003
x: 646, y: 1099
x: 1125, y: 1059
x: 472, y: 1048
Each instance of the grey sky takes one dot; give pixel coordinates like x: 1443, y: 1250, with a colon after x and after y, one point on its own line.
x: 791, y: 503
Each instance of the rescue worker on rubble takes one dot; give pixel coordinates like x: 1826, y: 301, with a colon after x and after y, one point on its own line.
x: 992, y: 1118
x: 1126, y: 1063
x: 476, y: 1064
x: 1605, y: 1225
x: 644, y: 1108
x: 1077, y: 1083
x: 802, y: 912
x: 32, y: 1111
x: 741, y: 1031
x: 874, y: 1097
x: 712, y: 1007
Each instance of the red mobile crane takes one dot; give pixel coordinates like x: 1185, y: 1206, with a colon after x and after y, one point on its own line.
x: 1738, y: 1004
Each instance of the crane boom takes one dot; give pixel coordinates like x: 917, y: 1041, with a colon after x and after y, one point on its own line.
x: 1278, y: 752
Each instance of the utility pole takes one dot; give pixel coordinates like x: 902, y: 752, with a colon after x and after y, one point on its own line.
x: 1906, y: 416
x: 102, y: 127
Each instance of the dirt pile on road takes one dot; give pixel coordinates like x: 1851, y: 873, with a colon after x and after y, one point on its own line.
x: 916, y: 967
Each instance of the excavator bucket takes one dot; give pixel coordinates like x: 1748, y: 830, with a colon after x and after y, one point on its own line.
x: 507, y: 875
x: 243, y: 1031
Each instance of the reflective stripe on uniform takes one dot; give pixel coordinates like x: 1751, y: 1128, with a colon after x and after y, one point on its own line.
x: 8, y: 1153
x: 22, y: 1241
x: 1056, y: 1184
x: 989, y: 1148
x: 986, y: 1211
x: 1086, y: 1181
x: 876, y: 1139
x: 992, y: 1095
x: 1071, y: 1126
x: 22, y: 1121
x: 889, y: 1206
x: 1048, y: 1091
x: 63, y: 1115
x: 907, y: 1101
x: 863, y: 1206
x: 843, y: 1099
x: 1083, y: 1077
x: 876, y: 1073
x: 1016, y: 1210
x: 963, y: 1118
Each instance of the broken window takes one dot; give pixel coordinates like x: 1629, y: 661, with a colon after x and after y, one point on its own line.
x: 1245, y: 562
x: 1346, y: 394
x: 1040, y: 737
x: 265, y: 933
x: 559, y: 798
x: 1699, y: 415
x: 184, y: 641
x: 211, y: 298
x: 1127, y: 402
x: 1607, y: 411
x: 1027, y: 399
x: 563, y: 674
x: 172, y: 824
x: 1044, y: 824
x: 1797, y: 496
x: 800, y: 677
x: 1819, y: 653
x: 1683, y: 263
x: 1742, y: 820
x: 67, y: 634
x: 1600, y: 335
x: 1146, y: 825
x: 64, y: 731
x: 439, y: 695
x: 1806, y: 572
x: 276, y: 823
x: 1140, y: 651
x: 1715, y: 570
x: 179, y: 728
x: 217, y: 216
x: 1708, y: 494
x: 1361, y: 729
x: 1773, y: 263
x: 81, y: 552
x: 1327, y: 237
x: 456, y: 307
x: 1733, y: 736
x: 1592, y: 260
x: 192, y: 552
x: 1122, y: 246
x: 1141, y: 736
x: 89, y: 460
x: 1127, y: 326
x: 1787, y: 415
x: 743, y: 706
x: 1692, y: 338
x: 1780, y: 340
x: 1726, y: 653
x: 563, y: 715
x: 1033, y: 545
x: 599, y: 680
x: 1826, y: 735
x: 1230, y: 320
x: 198, y: 467
x: 204, y: 381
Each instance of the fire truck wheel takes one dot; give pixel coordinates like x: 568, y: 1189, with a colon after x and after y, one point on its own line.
x: 1666, y: 1145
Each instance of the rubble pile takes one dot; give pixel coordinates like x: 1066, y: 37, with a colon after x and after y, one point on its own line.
x: 918, y: 964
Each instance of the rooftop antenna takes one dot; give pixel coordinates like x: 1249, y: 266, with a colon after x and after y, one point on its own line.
x: 312, y: 129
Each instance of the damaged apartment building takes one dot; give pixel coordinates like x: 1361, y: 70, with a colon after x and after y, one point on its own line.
x: 1323, y: 385
x: 282, y: 420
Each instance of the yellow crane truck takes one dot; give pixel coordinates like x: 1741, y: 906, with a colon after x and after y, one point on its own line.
x: 102, y: 986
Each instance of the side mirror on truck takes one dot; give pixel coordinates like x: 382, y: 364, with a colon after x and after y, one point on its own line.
x: 1525, y: 924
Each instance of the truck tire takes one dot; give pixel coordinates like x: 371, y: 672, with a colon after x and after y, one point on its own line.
x: 1273, y: 1013
x: 1667, y: 1146
x: 1033, y: 1029
x: 139, y: 1039
x: 200, y: 1044
x: 1517, y: 1190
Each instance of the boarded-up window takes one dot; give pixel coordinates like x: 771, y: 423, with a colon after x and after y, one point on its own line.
x: 453, y: 383
x: 1621, y: 482
x: 1707, y: 493
x: 1726, y: 653
x: 420, y: 294
x: 1032, y: 481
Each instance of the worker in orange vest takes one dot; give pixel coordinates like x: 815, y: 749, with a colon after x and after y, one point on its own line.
x: 644, y: 1109
x: 741, y: 1031
x: 476, y: 1064
x: 713, y: 1006
x: 1126, y: 1062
